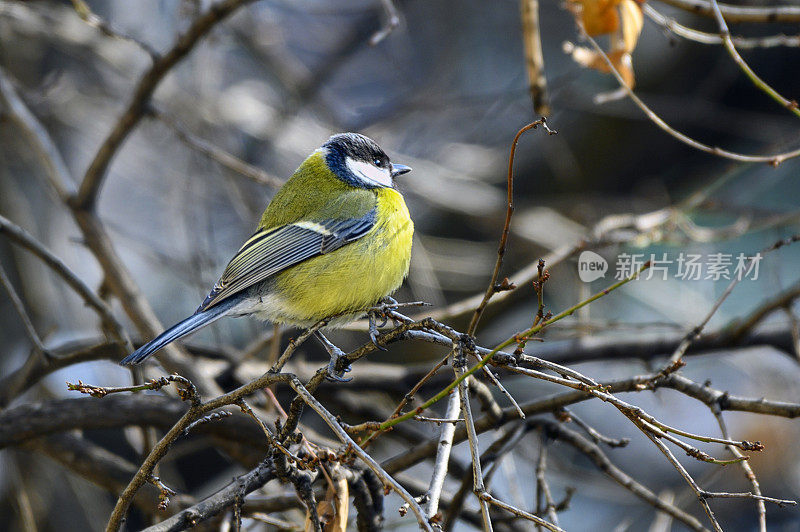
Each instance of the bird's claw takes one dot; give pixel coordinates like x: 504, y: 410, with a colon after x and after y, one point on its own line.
x: 336, y: 375
x: 373, y: 331
x: 332, y: 373
x: 384, y: 317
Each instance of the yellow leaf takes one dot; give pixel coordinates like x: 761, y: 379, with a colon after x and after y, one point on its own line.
x: 591, y: 59
x: 334, y: 509
x: 631, y: 27
x: 340, y: 505
x: 621, y: 18
x: 599, y: 16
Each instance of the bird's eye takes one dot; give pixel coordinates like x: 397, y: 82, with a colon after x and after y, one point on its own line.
x: 378, y: 163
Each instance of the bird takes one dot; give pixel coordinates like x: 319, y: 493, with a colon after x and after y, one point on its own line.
x: 334, y: 240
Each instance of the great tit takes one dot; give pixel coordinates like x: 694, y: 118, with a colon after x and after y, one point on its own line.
x: 334, y: 240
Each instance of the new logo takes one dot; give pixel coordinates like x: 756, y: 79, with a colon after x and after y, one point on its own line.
x: 591, y: 266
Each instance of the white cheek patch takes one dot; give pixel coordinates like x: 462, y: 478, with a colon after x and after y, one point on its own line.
x: 369, y: 173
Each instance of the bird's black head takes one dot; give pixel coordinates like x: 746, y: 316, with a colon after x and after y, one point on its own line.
x: 359, y: 161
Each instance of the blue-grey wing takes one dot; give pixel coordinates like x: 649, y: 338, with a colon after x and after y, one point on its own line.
x: 272, y: 250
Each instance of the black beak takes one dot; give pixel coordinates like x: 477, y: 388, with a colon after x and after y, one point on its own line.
x: 400, y: 169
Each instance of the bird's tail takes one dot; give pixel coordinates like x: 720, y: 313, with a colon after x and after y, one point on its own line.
x: 179, y: 330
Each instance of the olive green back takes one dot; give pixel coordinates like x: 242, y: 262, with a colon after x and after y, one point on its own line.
x: 314, y: 193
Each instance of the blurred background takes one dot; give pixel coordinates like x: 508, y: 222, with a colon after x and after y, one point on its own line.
x: 444, y: 92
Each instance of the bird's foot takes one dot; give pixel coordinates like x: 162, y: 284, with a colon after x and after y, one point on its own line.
x: 374, y: 316
x: 337, y: 375
x: 334, y: 374
x: 379, y: 317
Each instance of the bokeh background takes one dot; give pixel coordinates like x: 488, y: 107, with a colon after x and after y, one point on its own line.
x: 445, y: 92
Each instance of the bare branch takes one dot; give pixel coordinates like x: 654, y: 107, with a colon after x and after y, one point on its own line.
x: 36, y: 368
x: 219, y: 501
x: 598, y: 457
x: 740, y: 13
x: 749, y: 322
x: 703, y: 37
x: 19, y: 307
x: 493, y: 287
x: 485, y: 496
x: 53, y: 162
x: 478, y: 487
x: 22, y: 238
x: 93, y: 178
x: 443, y: 455
x: 534, y: 59
x: 773, y: 160
x: 542, y: 487
x: 95, y: 21
x: 748, y: 470
x: 757, y: 81
x: 392, y: 21
x: 214, y: 152
x: 334, y: 425
x: 196, y: 411
x: 685, y: 474
x: 547, y: 404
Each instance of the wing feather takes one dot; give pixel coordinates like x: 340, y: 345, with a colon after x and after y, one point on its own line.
x: 272, y: 250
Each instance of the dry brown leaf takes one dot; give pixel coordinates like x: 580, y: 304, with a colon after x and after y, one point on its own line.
x: 591, y: 59
x: 631, y: 26
x: 599, y: 16
x: 623, y: 19
x: 341, y: 507
x: 333, y: 510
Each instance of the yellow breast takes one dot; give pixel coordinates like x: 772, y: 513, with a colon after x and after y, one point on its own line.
x: 353, y: 277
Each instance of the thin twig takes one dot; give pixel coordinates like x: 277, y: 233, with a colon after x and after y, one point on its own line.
x: 472, y: 437
x: 534, y: 59
x: 22, y: 238
x: 406, y: 398
x: 759, y: 14
x: 242, y: 404
x: 757, y: 81
x: 748, y: 470
x: 594, y: 453
x: 685, y: 474
x: 189, y: 391
x: 703, y: 37
x: 95, y: 21
x: 443, y: 455
x: 214, y: 152
x: 93, y: 178
x: 493, y: 287
x: 392, y: 21
x: 520, y: 513
x: 514, y: 339
x: 19, y: 307
x: 311, y: 401
x: 294, y: 344
x: 774, y: 160
x: 496, y: 382
x: 541, y: 482
x: 596, y: 436
x: 694, y: 334
x: 216, y: 503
